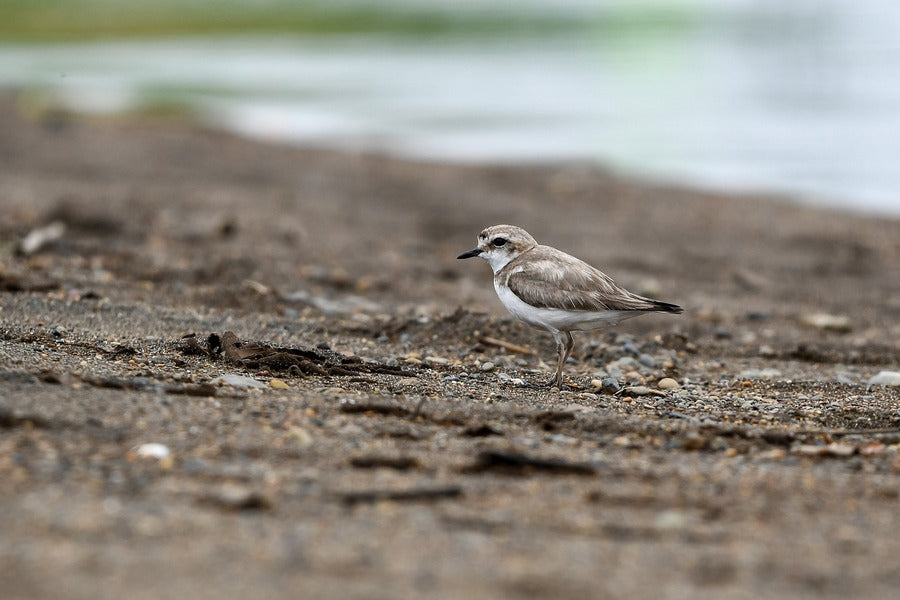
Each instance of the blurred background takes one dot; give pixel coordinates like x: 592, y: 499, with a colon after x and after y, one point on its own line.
x: 799, y: 98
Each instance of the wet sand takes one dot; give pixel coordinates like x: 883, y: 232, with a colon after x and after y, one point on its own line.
x: 386, y: 432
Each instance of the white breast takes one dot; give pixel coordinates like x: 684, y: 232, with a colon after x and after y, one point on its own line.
x: 555, y: 319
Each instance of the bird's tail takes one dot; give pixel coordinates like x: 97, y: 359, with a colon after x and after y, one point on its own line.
x: 666, y: 307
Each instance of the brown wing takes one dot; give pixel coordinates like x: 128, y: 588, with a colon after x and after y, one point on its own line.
x: 547, y: 278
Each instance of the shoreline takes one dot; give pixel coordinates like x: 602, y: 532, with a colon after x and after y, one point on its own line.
x: 410, y: 450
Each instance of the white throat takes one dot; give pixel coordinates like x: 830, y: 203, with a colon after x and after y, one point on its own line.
x: 497, y: 260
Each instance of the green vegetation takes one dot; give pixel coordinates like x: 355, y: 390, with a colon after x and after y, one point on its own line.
x: 64, y: 20
x: 71, y: 20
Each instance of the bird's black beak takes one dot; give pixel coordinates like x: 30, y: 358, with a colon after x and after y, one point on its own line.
x: 470, y: 253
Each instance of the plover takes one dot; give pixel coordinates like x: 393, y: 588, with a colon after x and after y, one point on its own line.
x: 552, y: 290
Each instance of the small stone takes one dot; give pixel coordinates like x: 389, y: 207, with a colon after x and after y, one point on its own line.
x: 767, y: 373
x: 487, y: 366
x: 151, y: 450
x: 141, y: 383
x: 238, y: 381
x: 406, y: 382
x: 597, y: 383
x: 278, y: 384
x: 671, y: 520
x: 159, y: 453
x: 609, y: 385
x: 826, y: 322
x: 630, y: 348
x: 331, y: 391
x: 695, y: 441
x: 300, y: 436
x: 834, y: 449
x: 723, y: 333
x: 891, y: 378
x: 639, y: 390
x: 773, y: 454
x: 667, y: 383
x: 233, y: 496
x: 844, y: 379
x: 766, y: 351
x: 634, y: 377
x: 437, y: 360
x: 40, y: 237
x: 647, y: 360
x: 627, y: 363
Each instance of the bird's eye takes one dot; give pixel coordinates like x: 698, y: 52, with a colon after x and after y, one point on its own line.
x: 499, y: 241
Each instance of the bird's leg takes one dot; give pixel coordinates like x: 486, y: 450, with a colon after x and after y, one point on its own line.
x: 570, y: 345
x: 564, y: 351
x: 556, y: 380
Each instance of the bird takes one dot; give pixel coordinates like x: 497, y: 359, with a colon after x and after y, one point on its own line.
x: 551, y: 290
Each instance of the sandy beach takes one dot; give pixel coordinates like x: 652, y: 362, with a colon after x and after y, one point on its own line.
x: 376, y: 426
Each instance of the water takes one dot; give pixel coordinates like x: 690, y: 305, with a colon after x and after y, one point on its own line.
x: 798, y: 98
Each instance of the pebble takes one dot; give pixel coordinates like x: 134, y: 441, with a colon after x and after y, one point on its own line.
x: 151, y: 450
x: 332, y: 391
x: 757, y: 315
x: 278, y: 384
x: 833, y: 449
x: 634, y: 377
x: 140, y: 383
x: 559, y: 438
x: 609, y: 385
x: 487, y: 366
x: 671, y: 520
x: 844, y: 379
x: 647, y: 361
x: 639, y: 390
x: 826, y: 322
x: 891, y: 378
x: 154, y: 452
x: 630, y: 348
x: 510, y: 379
x: 627, y: 361
x: 437, y: 360
x: 238, y: 381
x: 667, y: 383
x: 767, y: 373
x: 233, y: 496
x: 766, y: 351
x: 38, y: 238
x: 300, y: 436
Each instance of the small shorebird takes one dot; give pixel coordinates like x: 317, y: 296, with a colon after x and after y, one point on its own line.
x: 552, y: 290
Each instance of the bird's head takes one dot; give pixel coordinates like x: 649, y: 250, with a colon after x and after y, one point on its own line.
x: 500, y: 244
